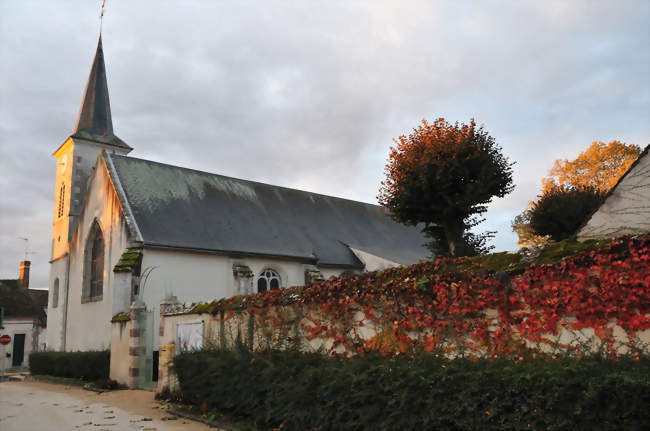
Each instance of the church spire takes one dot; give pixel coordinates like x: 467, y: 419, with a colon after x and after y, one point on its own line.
x: 94, y: 121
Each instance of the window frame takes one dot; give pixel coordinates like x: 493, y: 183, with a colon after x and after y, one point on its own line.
x: 268, y: 280
x: 55, y: 293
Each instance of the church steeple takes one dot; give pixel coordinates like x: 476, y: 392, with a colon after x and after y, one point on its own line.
x: 94, y: 121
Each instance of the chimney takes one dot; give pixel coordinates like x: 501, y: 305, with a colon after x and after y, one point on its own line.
x: 24, y: 273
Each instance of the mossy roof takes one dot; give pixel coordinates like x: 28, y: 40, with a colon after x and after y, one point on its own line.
x: 128, y: 260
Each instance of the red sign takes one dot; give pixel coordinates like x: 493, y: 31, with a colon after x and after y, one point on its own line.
x: 5, y: 339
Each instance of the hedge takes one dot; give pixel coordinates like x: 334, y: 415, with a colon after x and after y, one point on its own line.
x: 90, y: 366
x: 311, y: 391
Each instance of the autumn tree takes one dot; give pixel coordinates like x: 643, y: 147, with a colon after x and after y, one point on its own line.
x: 443, y: 176
x: 587, y: 178
x: 525, y: 232
x: 599, y: 167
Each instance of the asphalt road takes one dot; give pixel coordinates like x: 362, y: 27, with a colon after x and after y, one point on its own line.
x: 35, y: 406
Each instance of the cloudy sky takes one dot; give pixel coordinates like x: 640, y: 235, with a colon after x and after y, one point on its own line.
x: 310, y: 94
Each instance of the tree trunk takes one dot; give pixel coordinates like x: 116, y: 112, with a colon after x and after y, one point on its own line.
x: 455, y: 242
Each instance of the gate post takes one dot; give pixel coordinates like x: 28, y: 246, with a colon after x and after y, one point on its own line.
x: 166, y: 378
x: 137, y: 307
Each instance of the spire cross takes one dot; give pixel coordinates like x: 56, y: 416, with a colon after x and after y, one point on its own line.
x: 101, y: 17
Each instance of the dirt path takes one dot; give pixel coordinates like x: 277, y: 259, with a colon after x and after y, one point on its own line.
x: 32, y: 406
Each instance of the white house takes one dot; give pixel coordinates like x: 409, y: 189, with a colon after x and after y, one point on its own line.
x: 23, y: 320
x: 626, y: 209
x: 124, y: 228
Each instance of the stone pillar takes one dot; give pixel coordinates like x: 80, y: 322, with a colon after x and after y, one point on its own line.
x: 167, y: 306
x: 135, y: 349
x: 244, y: 278
x: 166, y: 379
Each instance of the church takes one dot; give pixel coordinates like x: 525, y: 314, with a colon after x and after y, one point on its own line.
x: 125, y: 228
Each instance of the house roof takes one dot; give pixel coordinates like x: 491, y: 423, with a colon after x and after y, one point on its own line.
x: 39, y: 296
x: 17, y: 301
x: 94, y: 121
x: 180, y: 208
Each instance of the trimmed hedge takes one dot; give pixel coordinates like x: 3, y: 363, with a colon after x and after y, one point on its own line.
x: 88, y: 366
x: 311, y: 391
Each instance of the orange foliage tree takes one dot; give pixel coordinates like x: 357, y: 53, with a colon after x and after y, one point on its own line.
x: 599, y: 167
x: 442, y: 175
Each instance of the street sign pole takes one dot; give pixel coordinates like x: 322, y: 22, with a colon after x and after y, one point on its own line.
x: 4, y: 340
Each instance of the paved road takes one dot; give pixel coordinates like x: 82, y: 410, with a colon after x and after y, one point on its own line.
x: 35, y: 406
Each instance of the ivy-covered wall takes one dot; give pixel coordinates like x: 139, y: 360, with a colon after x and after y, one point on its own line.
x: 595, y: 301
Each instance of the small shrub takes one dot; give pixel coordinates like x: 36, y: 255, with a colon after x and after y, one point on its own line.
x: 106, y: 384
x: 89, y: 366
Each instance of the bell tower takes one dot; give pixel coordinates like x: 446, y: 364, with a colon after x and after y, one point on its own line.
x: 77, y: 157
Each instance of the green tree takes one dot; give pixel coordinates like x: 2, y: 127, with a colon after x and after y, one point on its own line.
x: 443, y: 175
x: 561, y: 211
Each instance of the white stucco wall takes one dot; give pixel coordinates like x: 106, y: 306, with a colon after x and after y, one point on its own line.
x: 55, y: 315
x: 120, y: 352
x: 627, y: 209
x: 88, y: 324
x: 198, y: 277
x: 41, y: 345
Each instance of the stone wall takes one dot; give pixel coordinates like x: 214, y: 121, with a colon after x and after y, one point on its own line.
x: 229, y: 328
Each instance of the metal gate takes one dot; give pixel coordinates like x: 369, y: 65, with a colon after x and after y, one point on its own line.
x: 145, y: 343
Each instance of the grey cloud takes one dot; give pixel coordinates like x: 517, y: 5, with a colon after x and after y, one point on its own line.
x: 310, y: 95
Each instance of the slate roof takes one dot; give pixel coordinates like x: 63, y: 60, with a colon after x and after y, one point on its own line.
x: 17, y: 301
x: 94, y: 121
x: 40, y: 296
x: 180, y: 208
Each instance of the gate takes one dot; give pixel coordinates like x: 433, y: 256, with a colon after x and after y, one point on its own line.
x: 18, y: 355
x: 145, y: 355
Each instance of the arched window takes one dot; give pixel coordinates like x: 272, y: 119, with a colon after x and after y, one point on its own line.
x: 268, y: 279
x: 55, y: 293
x: 94, y: 264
